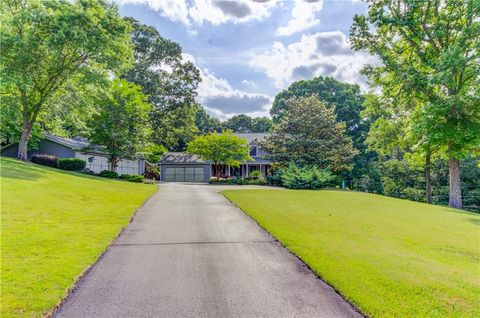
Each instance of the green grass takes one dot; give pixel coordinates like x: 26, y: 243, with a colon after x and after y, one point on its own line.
x: 54, y: 224
x: 389, y: 257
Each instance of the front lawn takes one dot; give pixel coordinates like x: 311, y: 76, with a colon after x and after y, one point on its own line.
x: 54, y: 224
x: 390, y: 257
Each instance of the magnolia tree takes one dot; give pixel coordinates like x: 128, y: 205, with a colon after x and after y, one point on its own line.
x: 45, y: 44
x: 221, y: 149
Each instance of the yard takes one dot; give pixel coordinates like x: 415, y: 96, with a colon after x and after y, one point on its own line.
x: 55, y: 224
x: 389, y: 257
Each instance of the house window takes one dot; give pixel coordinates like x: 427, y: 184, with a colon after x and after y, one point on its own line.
x: 253, y: 151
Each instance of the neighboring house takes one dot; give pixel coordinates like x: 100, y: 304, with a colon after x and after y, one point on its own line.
x: 95, y: 158
x: 183, y: 167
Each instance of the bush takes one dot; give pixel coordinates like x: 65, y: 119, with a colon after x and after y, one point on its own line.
x: 294, y: 177
x: 108, y: 174
x: 71, y: 164
x: 276, y: 178
x: 226, y: 180
x: 45, y: 160
x: 251, y: 181
x: 257, y: 174
x: 152, y: 173
x: 132, y: 177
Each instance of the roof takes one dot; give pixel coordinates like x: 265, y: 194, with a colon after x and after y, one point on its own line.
x: 181, y: 157
x: 73, y: 143
x: 251, y: 137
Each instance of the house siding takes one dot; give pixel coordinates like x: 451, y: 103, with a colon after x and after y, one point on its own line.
x: 44, y: 147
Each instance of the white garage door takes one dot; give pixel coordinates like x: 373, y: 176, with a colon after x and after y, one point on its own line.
x: 185, y: 174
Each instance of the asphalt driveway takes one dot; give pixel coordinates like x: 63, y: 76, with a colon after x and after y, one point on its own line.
x: 191, y: 253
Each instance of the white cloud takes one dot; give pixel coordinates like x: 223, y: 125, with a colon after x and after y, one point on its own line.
x: 303, y: 17
x: 213, y: 11
x: 222, y: 100
x: 323, y: 53
x: 249, y: 83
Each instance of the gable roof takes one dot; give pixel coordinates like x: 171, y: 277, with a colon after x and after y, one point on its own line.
x: 74, y: 143
x: 181, y: 157
x: 252, y: 137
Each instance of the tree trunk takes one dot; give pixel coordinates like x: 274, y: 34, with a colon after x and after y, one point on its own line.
x: 218, y: 170
x: 455, y: 194
x: 23, y: 142
x: 428, y: 182
x: 113, y: 163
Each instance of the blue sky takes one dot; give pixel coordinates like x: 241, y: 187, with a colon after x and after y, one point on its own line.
x: 249, y: 50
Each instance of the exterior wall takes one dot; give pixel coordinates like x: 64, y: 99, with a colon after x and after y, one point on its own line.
x: 44, y: 147
x: 98, y: 162
x: 260, y: 152
x: 206, y: 167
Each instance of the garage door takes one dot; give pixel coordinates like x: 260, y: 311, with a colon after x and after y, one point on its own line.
x: 185, y: 174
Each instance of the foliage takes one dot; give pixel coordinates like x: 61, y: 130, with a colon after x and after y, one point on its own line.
x: 239, y: 123
x: 47, y: 43
x: 45, y: 160
x: 409, y: 254
x: 152, y: 173
x: 261, y: 125
x: 255, y: 174
x: 309, y: 135
x: 170, y: 83
x: 120, y: 121
x: 132, y: 177
x: 47, y: 227
x: 250, y: 181
x: 429, y: 54
x: 72, y: 164
x: 153, y: 152
x: 295, y: 177
x: 108, y: 174
x: 221, y: 149
x: 11, y: 126
x: 206, y: 123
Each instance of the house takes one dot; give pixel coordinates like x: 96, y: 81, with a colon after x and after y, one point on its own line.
x: 183, y: 167
x: 61, y: 147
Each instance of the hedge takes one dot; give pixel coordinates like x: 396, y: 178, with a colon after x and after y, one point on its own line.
x: 71, y: 164
x: 45, y: 160
x: 108, y: 174
x: 132, y: 177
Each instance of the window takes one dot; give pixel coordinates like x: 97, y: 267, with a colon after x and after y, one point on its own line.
x: 253, y: 151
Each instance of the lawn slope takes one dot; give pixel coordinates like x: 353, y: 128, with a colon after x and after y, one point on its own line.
x: 390, y: 257
x: 54, y: 224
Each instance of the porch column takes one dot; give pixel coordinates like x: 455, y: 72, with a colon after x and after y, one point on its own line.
x: 246, y: 167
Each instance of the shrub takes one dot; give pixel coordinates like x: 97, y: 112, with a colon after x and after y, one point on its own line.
x: 132, y: 177
x: 152, y: 173
x: 108, y: 174
x: 275, y: 178
x: 227, y: 180
x: 71, y: 164
x: 45, y: 160
x: 295, y: 177
x: 251, y: 181
x: 257, y: 174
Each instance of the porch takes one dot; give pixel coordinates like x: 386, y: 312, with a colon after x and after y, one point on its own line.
x: 243, y: 171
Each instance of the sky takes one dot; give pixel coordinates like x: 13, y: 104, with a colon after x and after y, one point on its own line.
x: 249, y: 50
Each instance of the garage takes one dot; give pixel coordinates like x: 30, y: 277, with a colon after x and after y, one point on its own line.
x: 183, y: 167
x: 185, y: 174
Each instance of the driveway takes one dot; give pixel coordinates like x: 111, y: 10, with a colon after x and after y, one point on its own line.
x: 191, y: 253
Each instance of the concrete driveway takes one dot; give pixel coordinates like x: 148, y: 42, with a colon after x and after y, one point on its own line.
x: 191, y: 253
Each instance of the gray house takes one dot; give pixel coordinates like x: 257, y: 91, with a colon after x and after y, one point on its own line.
x: 183, y: 167
x: 81, y: 148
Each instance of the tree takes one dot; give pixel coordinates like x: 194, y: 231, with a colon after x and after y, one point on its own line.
x: 431, y: 49
x: 261, y: 125
x: 221, y: 149
x: 169, y: 81
x: 239, y: 123
x: 308, y: 134
x: 47, y: 43
x: 206, y: 123
x: 120, y: 124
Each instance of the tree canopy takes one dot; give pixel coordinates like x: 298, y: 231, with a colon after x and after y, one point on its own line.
x: 429, y: 51
x: 221, y: 148
x: 308, y: 134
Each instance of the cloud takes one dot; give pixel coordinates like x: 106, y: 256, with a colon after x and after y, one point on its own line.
x: 303, y: 17
x: 249, y: 83
x: 215, y: 12
x: 323, y: 53
x: 222, y: 100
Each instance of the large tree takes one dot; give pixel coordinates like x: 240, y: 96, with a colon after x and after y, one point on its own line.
x: 261, y: 124
x: 221, y: 149
x: 239, y: 123
x: 120, y: 122
x: 169, y: 81
x: 47, y: 43
x: 431, y: 49
x: 309, y: 134
x: 206, y: 123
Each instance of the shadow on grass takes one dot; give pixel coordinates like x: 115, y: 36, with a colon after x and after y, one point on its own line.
x: 474, y: 220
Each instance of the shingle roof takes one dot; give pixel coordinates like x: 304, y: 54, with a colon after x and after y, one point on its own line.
x: 75, y: 144
x: 251, y: 137
x: 181, y: 157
